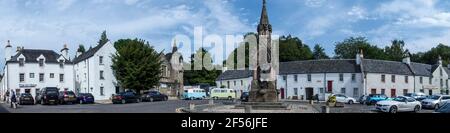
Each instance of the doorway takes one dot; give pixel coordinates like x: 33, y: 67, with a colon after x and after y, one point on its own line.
x: 309, y: 93
x: 430, y: 92
x: 282, y: 93
x: 393, y: 93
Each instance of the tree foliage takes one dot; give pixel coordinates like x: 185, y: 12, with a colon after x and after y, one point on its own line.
x: 81, y: 48
x: 136, y: 64
x: 319, y: 53
x: 103, y: 38
x: 397, y: 51
x: 201, y: 75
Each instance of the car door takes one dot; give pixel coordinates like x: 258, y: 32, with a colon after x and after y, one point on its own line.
x: 444, y: 100
x: 402, y: 104
x: 339, y: 98
x: 411, y: 104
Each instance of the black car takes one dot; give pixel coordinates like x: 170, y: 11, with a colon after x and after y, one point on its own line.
x: 245, y: 96
x: 48, y: 95
x: 66, y: 97
x: 154, y: 96
x: 125, y: 97
x: 85, y: 98
x: 26, y: 98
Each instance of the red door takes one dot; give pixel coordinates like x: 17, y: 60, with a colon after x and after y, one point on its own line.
x: 393, y: 93
x: 330, y: 86
x: 282, y: 93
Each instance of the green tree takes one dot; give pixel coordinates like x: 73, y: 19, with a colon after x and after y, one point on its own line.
x: 293, y: 49
x: 201, y: 75
x: 136, y: 64
x: 432, y: 56
x: 351, y: 46
x: 319, y: 52
x: 396, y: 51
x: 103, y: 38
x: 81, y: 48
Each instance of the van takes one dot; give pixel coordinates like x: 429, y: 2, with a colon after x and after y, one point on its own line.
x: 223, y: 93
x: 195, y: 93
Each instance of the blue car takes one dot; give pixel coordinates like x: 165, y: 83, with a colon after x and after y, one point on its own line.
x: 374, y: 98
x: 86, y: 98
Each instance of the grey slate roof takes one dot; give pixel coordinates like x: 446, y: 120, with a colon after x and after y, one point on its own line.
x: 88, y: 54
x: 386, y: 67
x: 421, y: 69
x: 235, y: 74
x: 319, y: 66
x: 31, y: 56
x: 341, y: 66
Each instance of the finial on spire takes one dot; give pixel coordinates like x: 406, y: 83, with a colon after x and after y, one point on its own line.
x: 264, y: 2
x: 174, y: 47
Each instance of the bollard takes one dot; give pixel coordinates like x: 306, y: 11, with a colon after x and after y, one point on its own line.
x: 192, y: 106
x: 211, y: 101
x: 311, y: 102
x: 325, y: 109
x: 248, y: 109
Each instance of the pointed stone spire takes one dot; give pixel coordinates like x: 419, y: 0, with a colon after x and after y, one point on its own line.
x: 264, y: 24
x: 174, y: 46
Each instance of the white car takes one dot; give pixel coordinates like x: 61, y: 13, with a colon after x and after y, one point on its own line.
x: 399, y: 104
x: 344, y: 99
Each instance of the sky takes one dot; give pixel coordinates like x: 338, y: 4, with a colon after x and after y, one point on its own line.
x: 49, y: 24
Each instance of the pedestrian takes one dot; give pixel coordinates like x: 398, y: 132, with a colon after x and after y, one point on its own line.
x: 13, y: 100
x: 7, y: 96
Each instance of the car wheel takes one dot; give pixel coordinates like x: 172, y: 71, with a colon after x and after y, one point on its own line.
x: 151, y: 99
x: 393, y: 110
x: 416, y: 109
x: 350, y: 102
x: 123, y: 101
x: 436, y: 106
x: 81, y: 101
x: 165, y: 99
x: 192, y: 98
x: 138, y: 100
x: 230, y: 98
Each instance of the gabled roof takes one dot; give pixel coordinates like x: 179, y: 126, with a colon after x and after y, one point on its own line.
x: 88, y: 54
x: 319, y: 66
x: 31, y: 56
x: 420, y: 69
x: 386, y: 67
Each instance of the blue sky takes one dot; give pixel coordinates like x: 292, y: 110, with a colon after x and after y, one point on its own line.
x: 48, y: 24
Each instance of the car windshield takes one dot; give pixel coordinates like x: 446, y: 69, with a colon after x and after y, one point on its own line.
x: 52, y: 92
x: 25, y: 94
x: 399, y: 99
x: 435, y: 97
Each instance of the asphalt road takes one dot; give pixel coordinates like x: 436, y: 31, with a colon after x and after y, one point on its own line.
x: 143, y: 107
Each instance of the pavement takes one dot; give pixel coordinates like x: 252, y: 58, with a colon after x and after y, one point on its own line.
x: 143, y: 107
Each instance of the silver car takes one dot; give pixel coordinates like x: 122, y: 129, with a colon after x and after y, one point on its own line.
x: 435, y: 101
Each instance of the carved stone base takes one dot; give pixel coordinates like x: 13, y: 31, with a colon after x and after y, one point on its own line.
x: 263, y: 92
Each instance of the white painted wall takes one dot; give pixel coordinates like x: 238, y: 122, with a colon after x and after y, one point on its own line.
x: 244, y: 87
x: 91, y: 67
x: 12, y: 80
x: 374, y: 82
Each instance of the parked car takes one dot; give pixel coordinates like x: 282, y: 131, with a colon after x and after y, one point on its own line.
x: 374, y: 98
x: 195, y: 93
x: 66, y: 97
x: 48, y: 95
x: 435, y: 101
x: 245, y: 96
x: 417, y: 96
x: 399, y: 104
x: 223, y: 93
x: 125, y: 97
x: 444, y: 108
x: 362, y: 99
x: 344, y: 99
x: 85, y: 98
x: 26, y: 98
x: 153, y: 96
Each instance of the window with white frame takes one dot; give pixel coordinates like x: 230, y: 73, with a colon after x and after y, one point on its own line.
x: 22, y: 77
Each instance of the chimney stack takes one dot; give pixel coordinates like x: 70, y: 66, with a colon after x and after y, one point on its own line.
x: 407, y: 59
x: 65, y: 51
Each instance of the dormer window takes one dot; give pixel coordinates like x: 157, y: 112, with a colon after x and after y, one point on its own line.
x: 41, y: 62
x: 61, y: 63
x: 21, y: 62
